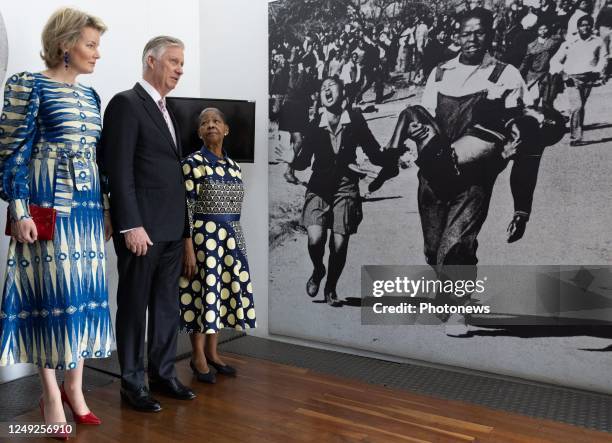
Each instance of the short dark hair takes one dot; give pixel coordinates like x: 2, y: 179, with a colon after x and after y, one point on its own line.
x: 586, y: 18
x: 336, y: 79
x: 481, y: 14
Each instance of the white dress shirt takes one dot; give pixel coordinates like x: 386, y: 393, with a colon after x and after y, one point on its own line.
x: 156, y: 96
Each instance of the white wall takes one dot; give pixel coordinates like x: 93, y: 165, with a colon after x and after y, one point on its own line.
x: 130, y: 25
x: 234, y: 65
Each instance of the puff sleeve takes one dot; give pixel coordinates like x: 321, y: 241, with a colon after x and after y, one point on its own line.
x: 17, y: 134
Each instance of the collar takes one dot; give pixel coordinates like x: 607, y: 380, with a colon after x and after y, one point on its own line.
x: 487, y: 61
x: 148, y: 87
x: 212, y: 158
x: 579, y: 39
x: 345, y: 119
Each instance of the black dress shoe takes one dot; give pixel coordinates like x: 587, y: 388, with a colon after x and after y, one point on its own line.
x: 222, y: 369
x: 171, y: 388
x: 204, y: 377
x: 140, y: 399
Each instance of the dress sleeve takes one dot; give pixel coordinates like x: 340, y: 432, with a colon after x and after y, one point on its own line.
x: 17, y: 133
x: 190, y: 191
x: 104, y: 188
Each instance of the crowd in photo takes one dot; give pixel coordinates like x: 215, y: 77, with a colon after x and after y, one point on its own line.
x: 365, y: 55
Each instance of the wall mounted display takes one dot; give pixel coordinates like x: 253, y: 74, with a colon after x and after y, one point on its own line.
x: 399, y: 146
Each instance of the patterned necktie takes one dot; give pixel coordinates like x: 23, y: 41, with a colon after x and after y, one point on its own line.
x: 162, y: 107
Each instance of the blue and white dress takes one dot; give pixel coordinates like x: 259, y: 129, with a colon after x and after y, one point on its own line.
x: 221, y: 294
x: 55, y: 300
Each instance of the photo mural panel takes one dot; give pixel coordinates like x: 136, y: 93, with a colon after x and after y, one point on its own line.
x: 413, y: 145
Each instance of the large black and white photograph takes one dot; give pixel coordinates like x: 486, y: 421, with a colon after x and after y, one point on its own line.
x: 444, y: 133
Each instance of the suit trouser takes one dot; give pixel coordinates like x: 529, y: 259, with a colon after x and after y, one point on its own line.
x: 451, y: 224
x: 147, y: 282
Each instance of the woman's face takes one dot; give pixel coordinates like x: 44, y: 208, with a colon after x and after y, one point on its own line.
x: 212, y: 128
x: 84, y: 54
x: 331, y: 93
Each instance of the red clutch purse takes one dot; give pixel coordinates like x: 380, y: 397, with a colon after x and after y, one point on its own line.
x: 44, y: 219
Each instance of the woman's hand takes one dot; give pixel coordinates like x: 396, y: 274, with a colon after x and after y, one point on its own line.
x: 24, y: 231
x: 189, y: 259
x: 108, y: 226
x: 417, y: 131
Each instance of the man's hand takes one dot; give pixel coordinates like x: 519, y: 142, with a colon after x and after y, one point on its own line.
x: 24, y: 231
x: 137, y: 240
x: 516, y: 228
x: 108, y: 226
x: 189, y: 260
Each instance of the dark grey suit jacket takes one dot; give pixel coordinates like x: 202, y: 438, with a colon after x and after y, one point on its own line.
x: 140, y: 164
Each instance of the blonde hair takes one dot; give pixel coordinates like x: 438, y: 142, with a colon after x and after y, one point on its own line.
x: 64, y: 29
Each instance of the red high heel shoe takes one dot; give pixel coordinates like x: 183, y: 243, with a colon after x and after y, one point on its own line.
x: 86, y: 419
x: 59, y: 435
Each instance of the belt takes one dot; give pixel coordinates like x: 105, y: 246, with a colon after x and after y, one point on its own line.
x: 220, y: 217
x: 72, y: 170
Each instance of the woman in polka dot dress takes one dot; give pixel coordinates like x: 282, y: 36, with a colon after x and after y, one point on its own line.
x: 215, y: 289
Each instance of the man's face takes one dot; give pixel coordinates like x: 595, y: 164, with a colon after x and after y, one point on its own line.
x: 543, y: 31
x: 584, y: 29
x: 583, y: 6
x: 441, y: 36
x: 167, y: 71
x: 473, y: 38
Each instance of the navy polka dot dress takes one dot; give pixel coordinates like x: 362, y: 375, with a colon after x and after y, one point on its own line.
x: 221, y: 294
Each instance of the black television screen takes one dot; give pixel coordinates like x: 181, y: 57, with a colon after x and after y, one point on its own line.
x: 239, y: 143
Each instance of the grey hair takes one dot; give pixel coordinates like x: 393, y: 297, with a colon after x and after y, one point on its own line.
x: 157, y: 46
x: 217, y: 110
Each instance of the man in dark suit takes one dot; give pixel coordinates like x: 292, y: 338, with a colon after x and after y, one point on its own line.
x: 140, y: 157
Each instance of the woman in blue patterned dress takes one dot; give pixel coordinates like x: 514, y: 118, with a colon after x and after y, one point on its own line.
x: 215, y: 289
x: 54, y: 310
